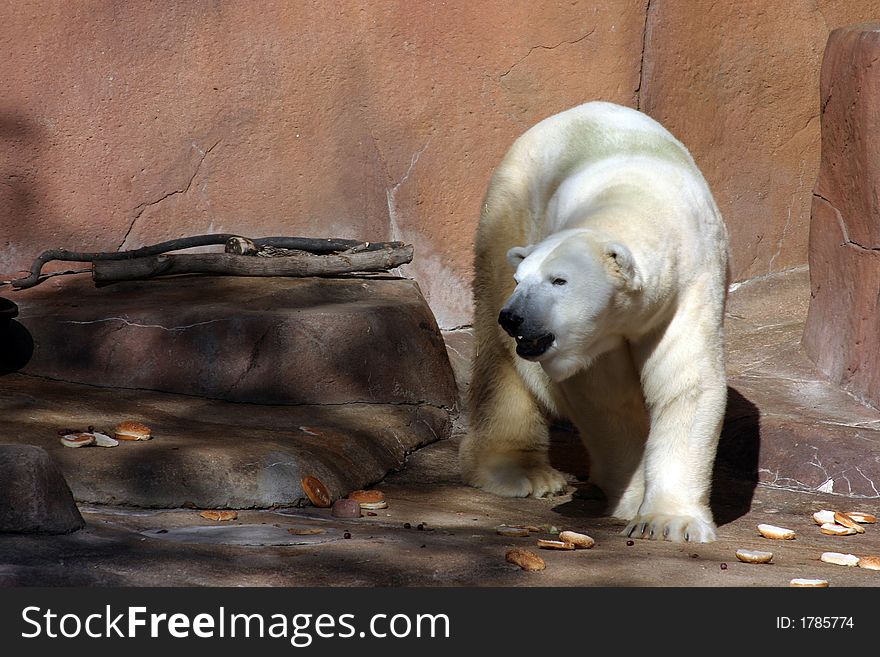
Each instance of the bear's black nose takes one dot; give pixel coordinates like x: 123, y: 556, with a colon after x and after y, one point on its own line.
x: 510, y: 321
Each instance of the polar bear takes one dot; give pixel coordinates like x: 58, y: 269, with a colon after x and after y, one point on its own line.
x: 600, y: 284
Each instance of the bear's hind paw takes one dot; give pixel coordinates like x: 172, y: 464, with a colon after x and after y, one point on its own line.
x: 510, y: 480
x: 661, y: 527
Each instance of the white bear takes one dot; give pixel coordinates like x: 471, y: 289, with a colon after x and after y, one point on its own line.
x: 600, y: 284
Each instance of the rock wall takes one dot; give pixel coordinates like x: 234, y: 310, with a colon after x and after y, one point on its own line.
x: 738, y: 82
x: 842, y: 331
x: 129, y: 123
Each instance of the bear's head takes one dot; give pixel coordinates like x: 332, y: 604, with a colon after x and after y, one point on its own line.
x: 571, y: 293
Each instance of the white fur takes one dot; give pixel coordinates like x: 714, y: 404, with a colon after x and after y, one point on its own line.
x: 611, y: 206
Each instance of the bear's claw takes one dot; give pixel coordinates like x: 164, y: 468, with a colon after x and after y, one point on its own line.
x: 661, y: 527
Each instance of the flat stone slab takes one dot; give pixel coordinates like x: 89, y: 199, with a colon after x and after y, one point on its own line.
x: 214, y: 454
x: 257, y: 340
x: 244, y: 535
x: 794, y: 430
x: 34, y: 498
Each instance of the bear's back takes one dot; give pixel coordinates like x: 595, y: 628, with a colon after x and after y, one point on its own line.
x: 591, y: 132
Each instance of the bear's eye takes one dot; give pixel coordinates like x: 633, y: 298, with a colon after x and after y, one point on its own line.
x: 559, y: 281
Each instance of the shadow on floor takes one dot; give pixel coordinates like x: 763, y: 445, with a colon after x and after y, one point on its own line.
x: 736, y: 464
x: 734, y: 477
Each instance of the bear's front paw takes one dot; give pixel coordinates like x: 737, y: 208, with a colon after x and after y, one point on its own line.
x: 671, y: 528
x: 513, y: 479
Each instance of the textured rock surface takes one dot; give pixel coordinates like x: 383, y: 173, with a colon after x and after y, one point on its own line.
x: 125, y: 124
x: 738, y: 82
x: 259, y: 340
x: 212, y: 454
x: 34, y: 498
x: 129, y: 123
x: 842, y: 330
x: 798, y: 430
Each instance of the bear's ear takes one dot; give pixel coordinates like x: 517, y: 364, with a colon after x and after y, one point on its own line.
x: 519, y: 253
x: 622, y: 261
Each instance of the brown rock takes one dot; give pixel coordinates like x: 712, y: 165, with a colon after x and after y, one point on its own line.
x: 34, y: 497
x: 214, y: 454
x: 257, y: 340
x: 841, y: 333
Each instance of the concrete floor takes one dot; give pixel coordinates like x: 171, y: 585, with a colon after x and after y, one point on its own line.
x: 793, y: 444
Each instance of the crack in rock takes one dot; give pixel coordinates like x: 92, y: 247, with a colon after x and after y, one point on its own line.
x: 252, y: 360
x: 126, y: 322
x: 638, y: 90
x: 733, y: 287
x: 543, y: 47
x: 844, y: 232
x: 140, y: 209
x: 391, y: 195
x: 830, y: 480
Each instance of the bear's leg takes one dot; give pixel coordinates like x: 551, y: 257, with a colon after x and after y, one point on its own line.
x: 683, y: 378
x: 605, y: 403
x: 505, y: 450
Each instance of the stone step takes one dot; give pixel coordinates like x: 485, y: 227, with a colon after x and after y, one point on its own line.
x: 258, y: 340
x: 209, y: 453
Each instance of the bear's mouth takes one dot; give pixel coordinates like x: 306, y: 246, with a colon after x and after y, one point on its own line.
x: 533, y: 347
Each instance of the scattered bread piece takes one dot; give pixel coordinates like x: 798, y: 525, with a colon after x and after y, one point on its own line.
x: 846, y: 521
x: 525, y: 559
x: 823, y: 517
x: 839, y: 559
x: 131, y: 430
x: 580, y: 541
x: 798, y: 581
x: 833, y: 529
x: 754, y: 556
x: 298, y: 531
x: 862, y: 517
x: 103, y: 440
x: 370, y: 506
x: 511, y: 532
x: 77, y: 439
x: 870, y: 563
x: 367, y: 496
x: 777, y: 533
x: 316, y: 491
x: 219, y: 515
x: 555, y: 545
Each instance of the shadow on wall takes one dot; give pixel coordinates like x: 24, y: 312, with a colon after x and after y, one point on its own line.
x: 734, y: 477
x: 17, y: 199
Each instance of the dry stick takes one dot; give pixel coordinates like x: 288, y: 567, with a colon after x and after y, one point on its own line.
x: 111, y: 271
x: 44, y: 277
x: 314, y: 245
